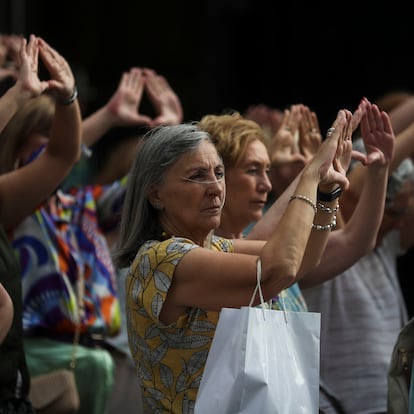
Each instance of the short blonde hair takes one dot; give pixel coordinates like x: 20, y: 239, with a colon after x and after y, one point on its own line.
x: 231, y: 134
x: 34, y: 117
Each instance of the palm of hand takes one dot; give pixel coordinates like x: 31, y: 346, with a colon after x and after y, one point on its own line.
x: 283, y: 148
x: 378, y: 136
x: 169, y: 109
x: 124, y: 105
x: 310, y: 143
x: 343, y: 160
x: 379, y: 146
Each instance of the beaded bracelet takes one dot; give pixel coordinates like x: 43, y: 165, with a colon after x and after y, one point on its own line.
x: 327, y: 209
x: 325, y: 227
x: 305, y: 199
x: 71, y: 99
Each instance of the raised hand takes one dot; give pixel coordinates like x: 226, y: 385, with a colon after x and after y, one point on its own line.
x: 268, y: 118
x: 378, y: 135
x: 310, y: 137
x: 9, y: 56
x: 165, y: 101
x: 62, y: 80
x: 124, y: 103
x: 28, y: 62
x: 344, y: 154
x: 336, y: 145
x: 359, y: 113
x: 283, y: 147
x: 10, y: 48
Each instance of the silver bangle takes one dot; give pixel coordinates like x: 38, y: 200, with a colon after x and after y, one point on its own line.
x: 325, y: 227
x: 71, y: 99
x: 305, y: 199
x: 327, y: 209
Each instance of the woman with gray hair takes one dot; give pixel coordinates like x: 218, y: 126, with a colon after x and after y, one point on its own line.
x: 181, y: 275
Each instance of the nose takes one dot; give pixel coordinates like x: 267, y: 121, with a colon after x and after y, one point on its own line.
x: 264, y: 183
x: 216, y: 187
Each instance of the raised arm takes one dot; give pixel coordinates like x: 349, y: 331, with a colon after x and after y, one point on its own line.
x: 122, y: 109
x: 402, y: 116
x: 291, y: 170
x: 27, y: 85
x: 358, y: 236
x: 403, y: 148
x: 317, y: 236
x: 23, y: 189
x: 166, y: 103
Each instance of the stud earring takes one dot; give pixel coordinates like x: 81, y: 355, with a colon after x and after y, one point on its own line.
x: 157, y: 206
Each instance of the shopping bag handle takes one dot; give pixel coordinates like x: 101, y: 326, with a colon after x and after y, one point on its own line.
x: 259, y: 288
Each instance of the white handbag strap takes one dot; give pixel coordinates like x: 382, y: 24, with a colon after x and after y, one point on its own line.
x: 259, y: 288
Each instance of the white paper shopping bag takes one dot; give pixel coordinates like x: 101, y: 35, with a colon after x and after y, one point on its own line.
x: 262, y: 361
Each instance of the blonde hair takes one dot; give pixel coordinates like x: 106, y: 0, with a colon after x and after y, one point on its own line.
x: 231, y: 134
x: 35, y: 117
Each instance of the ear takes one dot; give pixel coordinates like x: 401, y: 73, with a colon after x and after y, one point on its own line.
x: 154, y: 198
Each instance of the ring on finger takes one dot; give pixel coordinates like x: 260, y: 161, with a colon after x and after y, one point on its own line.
x: 330, y: 131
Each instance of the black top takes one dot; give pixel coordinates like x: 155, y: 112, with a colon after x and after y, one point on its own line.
x: 14, y: 375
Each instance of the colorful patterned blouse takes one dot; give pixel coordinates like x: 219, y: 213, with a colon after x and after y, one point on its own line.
x: 61, y: 240
x: 170, y: 359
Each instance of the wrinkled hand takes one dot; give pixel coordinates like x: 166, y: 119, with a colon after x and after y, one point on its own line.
x: 165, y: 101
x: 124, y: 103
x: 61, y: 75
x: 28, y: 79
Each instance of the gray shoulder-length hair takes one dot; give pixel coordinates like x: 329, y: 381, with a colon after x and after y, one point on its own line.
x: 156, y: 152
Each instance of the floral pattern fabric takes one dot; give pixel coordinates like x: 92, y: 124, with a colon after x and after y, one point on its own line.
x: 170, y: 359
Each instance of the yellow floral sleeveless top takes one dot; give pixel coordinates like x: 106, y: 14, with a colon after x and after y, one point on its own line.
x: 170, y: 359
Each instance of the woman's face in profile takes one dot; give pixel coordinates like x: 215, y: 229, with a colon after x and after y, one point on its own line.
x: 192, y: 193
x: 248, y: 186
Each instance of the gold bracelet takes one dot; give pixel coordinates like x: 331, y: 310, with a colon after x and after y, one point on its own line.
x: 305, y: 199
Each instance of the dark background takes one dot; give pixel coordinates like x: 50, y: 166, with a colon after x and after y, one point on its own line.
x: 223, y: 54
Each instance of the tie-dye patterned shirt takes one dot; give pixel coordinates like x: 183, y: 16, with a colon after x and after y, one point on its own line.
x: 60, y: 241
